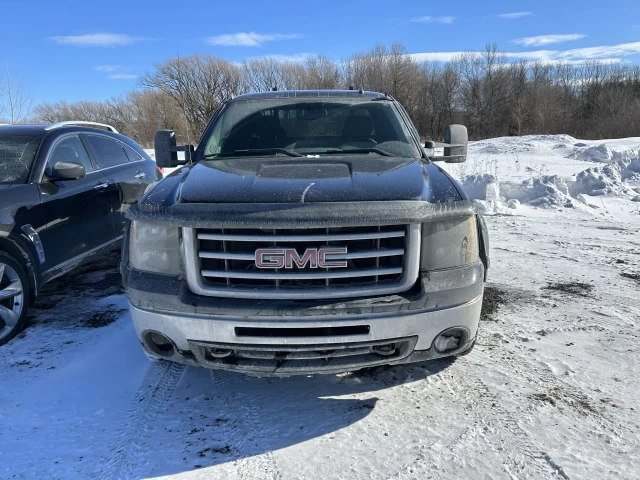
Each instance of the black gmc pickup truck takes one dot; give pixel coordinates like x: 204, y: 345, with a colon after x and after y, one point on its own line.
x: 309, y: 232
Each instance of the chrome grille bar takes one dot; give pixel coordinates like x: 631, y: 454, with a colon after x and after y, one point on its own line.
x: 333, y: 256
x: 301, y: 237
x: 301, y: 276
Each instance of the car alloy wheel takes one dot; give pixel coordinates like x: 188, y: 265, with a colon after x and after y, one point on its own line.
x: 11, y: 299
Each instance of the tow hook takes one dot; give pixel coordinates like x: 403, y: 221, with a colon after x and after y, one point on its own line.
x: 385, y: 350
x: 219, y: 352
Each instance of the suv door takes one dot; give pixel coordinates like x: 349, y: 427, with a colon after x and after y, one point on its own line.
x: 128, y: 178
x: 78, y: 213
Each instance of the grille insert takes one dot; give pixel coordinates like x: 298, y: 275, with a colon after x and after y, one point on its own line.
x: 379, y: 259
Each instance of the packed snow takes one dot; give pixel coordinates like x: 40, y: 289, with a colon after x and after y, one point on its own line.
x: 549, y: 392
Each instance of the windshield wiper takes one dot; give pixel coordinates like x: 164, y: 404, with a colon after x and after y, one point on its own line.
x: 358, y: 150
x: 255, y: 151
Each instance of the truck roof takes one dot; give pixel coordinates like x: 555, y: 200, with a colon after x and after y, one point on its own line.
x: 310, y: 94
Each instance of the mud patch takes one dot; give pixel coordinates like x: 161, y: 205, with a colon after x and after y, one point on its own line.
x: 492, y: 300
x: 631, y: 276
x: 556, y: 397
x: 578, y: 289
x: 215, y: 451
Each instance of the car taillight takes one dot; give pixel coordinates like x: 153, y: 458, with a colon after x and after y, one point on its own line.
x: 160, y: 170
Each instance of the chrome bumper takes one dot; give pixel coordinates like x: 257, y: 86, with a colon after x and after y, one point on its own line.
x: 411, y: 336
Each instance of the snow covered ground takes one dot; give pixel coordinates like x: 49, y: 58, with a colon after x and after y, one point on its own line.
x: 550, y: 391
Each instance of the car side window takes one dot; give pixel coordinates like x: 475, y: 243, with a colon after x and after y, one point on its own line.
x: 69, y: 149
x: 108, y: 152
x: 132, y: 154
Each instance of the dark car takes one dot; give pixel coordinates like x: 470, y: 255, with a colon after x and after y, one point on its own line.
x: 64, y: 192
x: 311, y: 232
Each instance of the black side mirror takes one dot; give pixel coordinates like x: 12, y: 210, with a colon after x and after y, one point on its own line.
x: 167, y: 152
x: 457, y: 138
x: 67, y: 171
x: 454, y: 147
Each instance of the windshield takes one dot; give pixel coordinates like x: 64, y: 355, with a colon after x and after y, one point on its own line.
x: 306, y: 127
x: 16, y: 157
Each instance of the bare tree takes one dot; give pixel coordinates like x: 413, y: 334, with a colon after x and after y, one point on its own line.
x: 321, y: 72
x: 198, y: 83
x: 492, y: 96
x: 15, y: 101
x: 263, y: 74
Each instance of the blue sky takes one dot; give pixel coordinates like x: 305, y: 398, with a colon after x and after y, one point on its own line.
x: 88, y: 50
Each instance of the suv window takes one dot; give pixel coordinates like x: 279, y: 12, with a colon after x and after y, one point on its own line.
x: 69, y: 149
x: 16, y: 156
x: 132, y: 154
x: 109, y: 152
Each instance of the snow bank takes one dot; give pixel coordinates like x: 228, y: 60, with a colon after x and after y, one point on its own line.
x: 495, y: 197
x: 482, y: 187
x: 485, y: 191
x: 542, y: 191
x: 616, y: 173
x: 602, y: 153
x: 597, y: 154
x: 610, y: 179
x: 527, y: 143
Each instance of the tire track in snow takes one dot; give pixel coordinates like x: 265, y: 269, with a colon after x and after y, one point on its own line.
x: 132, y: 440
x: 494, y: 428
x: 246, y: 435
x: 569, y: 396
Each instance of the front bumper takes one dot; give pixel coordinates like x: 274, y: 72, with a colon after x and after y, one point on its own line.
x: 306, y: 344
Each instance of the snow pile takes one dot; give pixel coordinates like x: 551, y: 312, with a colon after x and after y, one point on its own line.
x: 484, y: 190
x: 527, y: 143
x: 482, y: 187
x: 542, y: 191
x: 599, y: 181
x: 497, y: 197
x: 597, y: 154
x: 579, y: 170
x: 609, y: 179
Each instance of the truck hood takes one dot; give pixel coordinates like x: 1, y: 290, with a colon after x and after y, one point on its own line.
x: 308, y: 180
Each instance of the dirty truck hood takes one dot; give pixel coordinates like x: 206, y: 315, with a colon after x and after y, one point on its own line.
x: 304, y: 180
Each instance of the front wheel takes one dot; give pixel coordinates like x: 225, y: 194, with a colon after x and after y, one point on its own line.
x: 14, y: 297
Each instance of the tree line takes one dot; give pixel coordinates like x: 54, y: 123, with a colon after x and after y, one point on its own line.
x: 484, y: 90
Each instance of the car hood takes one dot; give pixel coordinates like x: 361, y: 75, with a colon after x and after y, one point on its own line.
x: 335, y: 179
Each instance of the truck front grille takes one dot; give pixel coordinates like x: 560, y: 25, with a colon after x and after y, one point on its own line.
x: 378, y: 260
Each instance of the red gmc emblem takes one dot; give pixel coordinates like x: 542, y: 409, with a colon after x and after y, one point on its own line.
x: 288, y: 257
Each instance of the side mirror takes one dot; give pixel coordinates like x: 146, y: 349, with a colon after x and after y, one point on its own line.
x: 454, y: 147
x: 67, y: 171
x: 167, y: 152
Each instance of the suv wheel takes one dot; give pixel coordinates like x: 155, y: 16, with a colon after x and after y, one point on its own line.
x: 14, y: 297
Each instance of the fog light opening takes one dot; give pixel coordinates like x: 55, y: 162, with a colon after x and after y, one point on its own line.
x: 159, y: 344
x: 450, y: 340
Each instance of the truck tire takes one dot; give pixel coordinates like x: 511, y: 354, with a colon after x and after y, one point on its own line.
x: 14, y: 297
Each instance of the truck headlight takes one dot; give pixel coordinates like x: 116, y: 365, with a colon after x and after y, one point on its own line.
x: 449, y: 243
x: 154, y: 248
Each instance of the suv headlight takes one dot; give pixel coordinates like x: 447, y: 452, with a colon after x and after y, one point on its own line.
x: 154, y: 248
x: 449, y: 243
